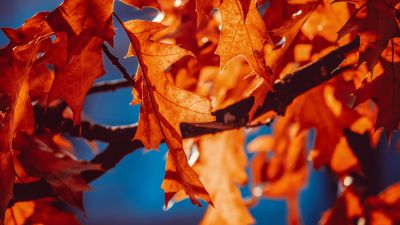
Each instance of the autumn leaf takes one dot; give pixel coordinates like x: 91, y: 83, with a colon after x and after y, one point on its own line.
x: 6, y: 166
x: 19, y: 66
x: 287, y: 32
x: 384, y: 88
x: 33, y: 28
x: 230, y: 85
x: 16, y: 67
x: 81, y: 27
x: 326, y: 20
x: 201, y: 40
x: 247, y: 34
x: 347, y: 208
x: 280, y: 12
x: 319, y: 108
x: 19, y: 213
x: 43, y: 211
x: 203, y: 8
x: 375, y: 21
x: 80, y: 33
x: 384, y: 208
x: 82, y: 18
x: 164, y: 107
x: 76, y: 74
x: 222, y: 166
x: 279, y: 168
x: 61, y: 171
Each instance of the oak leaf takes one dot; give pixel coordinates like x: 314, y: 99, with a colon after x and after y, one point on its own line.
x: 16, y: 66
x: 19, y: 213
x: 7, y: 175
x: 61, y: 171
x: 43, y: 211
x: 347, y: 208
x: 203, y: 8
x: 281, y: 55
x: 20, y: 66
x: 80, y: 27
x: 287, y: 31
x: 320, y: 108
x: 82, y: 17
x: 375, y: 21
x: 75, y: 74
x: 248, y: 35
x: 384, y: 88
x: 33, y: 28
x: 164, y: 107
x: 384, y: 208
x: 279, y: 167
x: 222, y: 166
x: 326, y: 20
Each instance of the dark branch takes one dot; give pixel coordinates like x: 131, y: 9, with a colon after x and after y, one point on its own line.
x: 115, y: 61
x: 283, y: 93
x: 120, y: 138
x: 91, y: 131
x: 109, y: 86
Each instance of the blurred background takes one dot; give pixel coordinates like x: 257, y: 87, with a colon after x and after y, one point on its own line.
x: 131, y: 193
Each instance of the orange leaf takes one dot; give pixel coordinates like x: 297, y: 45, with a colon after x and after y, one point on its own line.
x: 19, y: 213
x: 74, y: 76
x: 16, y: 66
x: 279, y: 168
x: 164, y: 107
x: 43, y: 211
x: 203, y: 8
x: 247, y: 34
x: 83, y: 17
x: 319, y: 108
x: 346, y: 209
x: 61, y: 171
x: 222, y: 165
x: 375, y: 21
x: 33, y: 28
x: 385, y: 88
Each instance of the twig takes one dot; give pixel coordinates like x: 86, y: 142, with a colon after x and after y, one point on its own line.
x: 90, y: 131
x: 111, y: 85
x: 115, y: 61
x: 121, y: 145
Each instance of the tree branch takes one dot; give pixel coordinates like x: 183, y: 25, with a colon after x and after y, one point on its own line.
x: 115, y: 61
x: 120, y: 138
x: 109, y: 86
